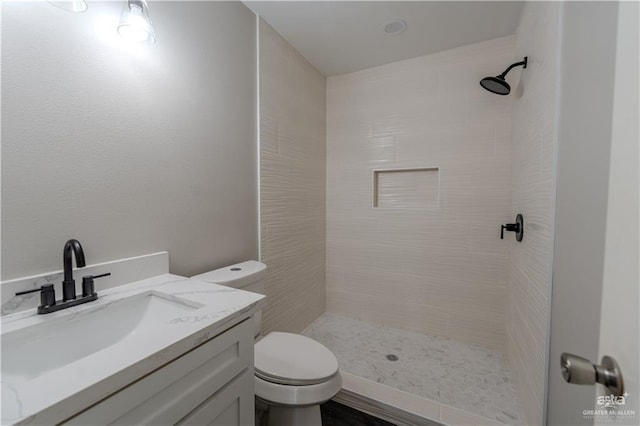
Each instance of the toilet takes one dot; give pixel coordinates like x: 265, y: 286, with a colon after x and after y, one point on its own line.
x: 293, y: 373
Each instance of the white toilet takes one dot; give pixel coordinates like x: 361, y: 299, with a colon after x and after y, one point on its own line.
x: 293, y: 373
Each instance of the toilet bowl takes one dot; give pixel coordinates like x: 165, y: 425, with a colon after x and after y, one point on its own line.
x: 293, y: 373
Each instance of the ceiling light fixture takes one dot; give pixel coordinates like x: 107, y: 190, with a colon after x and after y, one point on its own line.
x: 75, y: 6
x: 135, y: 24
x: 394, y: 26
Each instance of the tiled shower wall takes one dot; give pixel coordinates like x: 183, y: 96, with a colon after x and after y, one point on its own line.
x: 429, y: 257
x: 292, y: 184
x: 532, y: 195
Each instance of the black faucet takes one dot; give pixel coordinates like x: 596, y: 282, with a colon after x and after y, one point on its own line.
x: 517, y: 227
x: 48, y: 301
x: 68, y: 283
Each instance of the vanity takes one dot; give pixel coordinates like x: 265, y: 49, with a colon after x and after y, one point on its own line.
x: 154, y: 348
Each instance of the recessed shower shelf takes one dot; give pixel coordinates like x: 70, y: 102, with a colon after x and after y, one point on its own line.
x: 417, y: 187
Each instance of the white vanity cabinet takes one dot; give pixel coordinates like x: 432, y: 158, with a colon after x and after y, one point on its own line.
x: 212, y: 384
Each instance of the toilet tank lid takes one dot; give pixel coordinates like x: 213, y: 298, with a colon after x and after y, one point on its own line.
x: 237, y: 275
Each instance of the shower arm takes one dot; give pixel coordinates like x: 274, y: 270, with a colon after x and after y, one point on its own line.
x: 512, y: 66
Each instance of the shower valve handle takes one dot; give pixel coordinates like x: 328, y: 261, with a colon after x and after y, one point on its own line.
x: 511, y: 227
x: 517, y: 227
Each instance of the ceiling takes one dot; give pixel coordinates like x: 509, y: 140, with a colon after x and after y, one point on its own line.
x: 338, y: 37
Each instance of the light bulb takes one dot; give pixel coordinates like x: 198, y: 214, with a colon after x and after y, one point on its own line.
x: 135, y: 24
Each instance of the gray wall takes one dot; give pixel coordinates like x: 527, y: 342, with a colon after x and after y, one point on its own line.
x: 130, y: 149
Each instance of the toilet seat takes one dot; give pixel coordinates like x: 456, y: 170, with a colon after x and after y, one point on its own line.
x: 294, y: 360
x: 297, y: 396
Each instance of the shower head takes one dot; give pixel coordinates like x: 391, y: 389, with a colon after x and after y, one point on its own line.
x: 498, y: 84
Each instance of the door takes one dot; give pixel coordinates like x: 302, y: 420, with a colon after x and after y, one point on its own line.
x: 595, y: 297
x: 619, y: 320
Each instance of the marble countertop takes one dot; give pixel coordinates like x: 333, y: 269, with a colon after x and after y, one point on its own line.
x: 58, y: 394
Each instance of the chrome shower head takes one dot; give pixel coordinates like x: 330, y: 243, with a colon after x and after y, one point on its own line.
x: 498, y: 84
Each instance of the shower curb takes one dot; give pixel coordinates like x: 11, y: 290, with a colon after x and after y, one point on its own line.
x: 402, y: 408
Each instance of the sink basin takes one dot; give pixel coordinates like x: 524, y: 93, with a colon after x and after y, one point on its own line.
x: 35, y: 350
x: 54, y: 366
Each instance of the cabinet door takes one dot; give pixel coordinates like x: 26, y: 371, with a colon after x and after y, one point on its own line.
x: 165, y: 396
x: 231, y: 406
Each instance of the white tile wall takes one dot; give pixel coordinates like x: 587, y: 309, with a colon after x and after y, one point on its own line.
x: 437, y: 270
x: 406, y: 188
x: 532, y: 195
x: 292, y: 184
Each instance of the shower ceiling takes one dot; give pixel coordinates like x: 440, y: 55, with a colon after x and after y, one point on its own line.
x: 338, y: 37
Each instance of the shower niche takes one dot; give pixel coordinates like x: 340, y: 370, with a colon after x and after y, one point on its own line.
x: 417, y: 187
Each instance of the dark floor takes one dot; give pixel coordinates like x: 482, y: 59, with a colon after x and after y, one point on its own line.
x: 335, y: 414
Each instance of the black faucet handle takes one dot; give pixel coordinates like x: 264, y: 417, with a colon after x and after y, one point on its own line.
x: 99, y: 276
x: 20, y: 293
x: 88, y: 286
x: 47, y: 294
x: 511, y: 227
x: 517, y: 227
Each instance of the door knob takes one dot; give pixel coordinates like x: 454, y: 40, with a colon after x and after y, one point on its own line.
x: 580, y: 371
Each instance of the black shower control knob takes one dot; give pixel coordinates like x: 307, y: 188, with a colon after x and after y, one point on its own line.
x: 517, y: 227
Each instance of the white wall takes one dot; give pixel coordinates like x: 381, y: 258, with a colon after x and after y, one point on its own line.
x: 130, y: 149
x: 532, y: 186
x: 292, y: 184
x: 439, y: 269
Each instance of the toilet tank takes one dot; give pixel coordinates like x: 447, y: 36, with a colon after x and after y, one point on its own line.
x: 248, y: 276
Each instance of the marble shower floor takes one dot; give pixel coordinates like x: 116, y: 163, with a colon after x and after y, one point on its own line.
x: 462, y: 375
